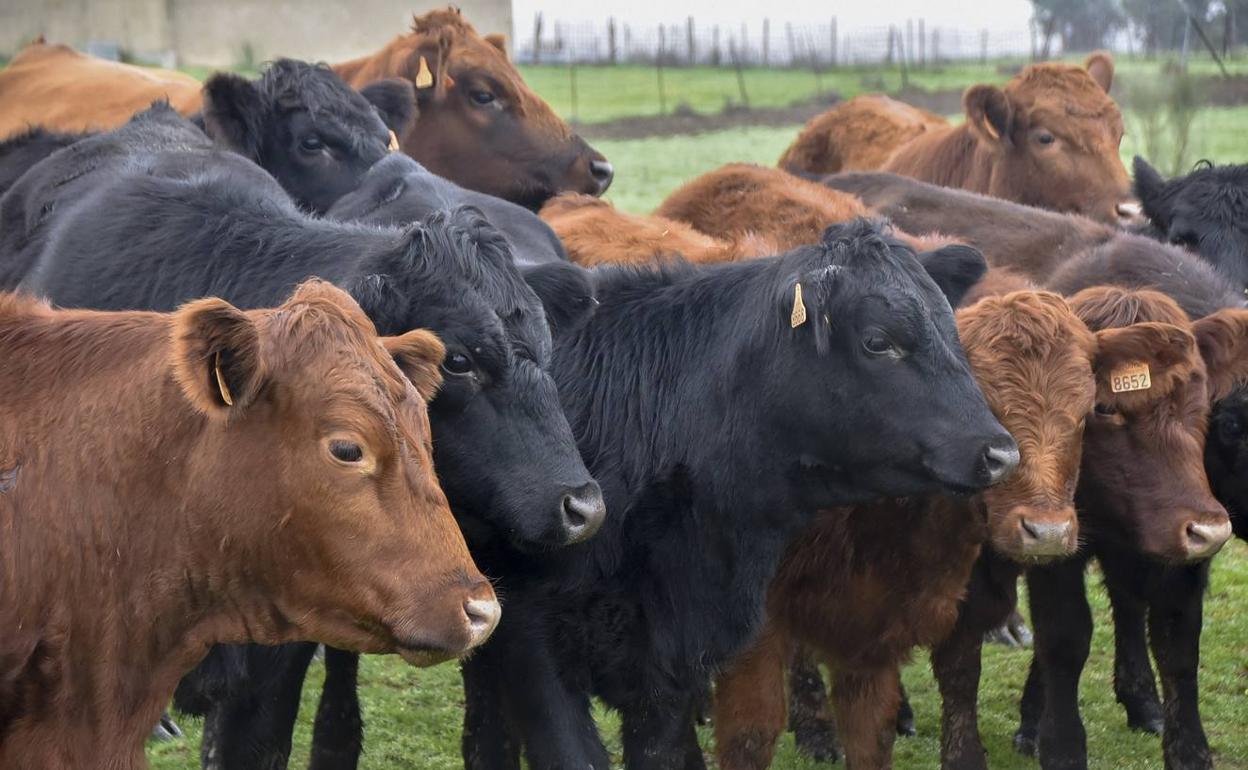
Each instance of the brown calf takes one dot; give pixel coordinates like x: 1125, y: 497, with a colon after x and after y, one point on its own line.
x: 865, y: 586
x: 857, y: 135
x: 171, y: 481
x: 1049, y: 138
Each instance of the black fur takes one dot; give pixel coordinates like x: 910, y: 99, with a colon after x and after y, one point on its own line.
x: 716, y: 430
x: 19, y: 153
x: 1205, y: 211
x: 399, y: 190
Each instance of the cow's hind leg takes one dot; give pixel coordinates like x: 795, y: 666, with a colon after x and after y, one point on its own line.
x: 1174, y: 629
x: 809, y: 711
x: 865, y: 701
x: 1134, y: 685
x: 338, y: 733
x: 750, y: 705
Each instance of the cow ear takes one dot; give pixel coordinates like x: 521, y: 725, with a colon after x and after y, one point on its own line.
x: 234, y: 114
x: 428, y: 68
x: 955, y: 269
x: 395, y: 102
x: 419, y: 354
x: 566, y: 291
x: 1223, y: 341
x: 989, y: 113
x: 1149, y: 185
x: 216, y: 356
x: 1100, y: 66
x: 1158, y: 345
x: 498, y: 41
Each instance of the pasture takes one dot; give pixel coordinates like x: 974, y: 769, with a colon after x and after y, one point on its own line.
x: 413, y: 716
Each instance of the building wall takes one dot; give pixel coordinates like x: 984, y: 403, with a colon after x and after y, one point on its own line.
x: 226, y: 32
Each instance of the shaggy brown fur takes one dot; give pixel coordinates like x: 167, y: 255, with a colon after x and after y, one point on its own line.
x: 1049, y: 138
x: 170, y: 483
x: 865, y: 586
x: 857, y: 135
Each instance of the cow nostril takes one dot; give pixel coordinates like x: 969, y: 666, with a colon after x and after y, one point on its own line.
x: 483, y: 616
x: 603, y: 172
x: 999, y: 462
x: 1029, y: 530
x: 583, y: 512
x: 1204, y: 540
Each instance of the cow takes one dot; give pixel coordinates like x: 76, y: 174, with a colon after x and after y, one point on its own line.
x: 1204, y: 211
x: 594, y: 233
x: 298, y: 121
x: 138, y: 530
x: 675, y: 583
x: 857, y: 135
x: 506, y: 455
x: 1049, y: 138
x: 1226, y: 459
x: 398, y: 191
x: 477, y: 122
x: 863, y: 587
x: 1149, y: 518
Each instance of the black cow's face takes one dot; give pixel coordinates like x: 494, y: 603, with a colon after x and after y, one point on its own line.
x: 1226, y: 458
x: 312, y: 132
x: 1205, y: 211
x: 876, y: 393
x: 503, y: 448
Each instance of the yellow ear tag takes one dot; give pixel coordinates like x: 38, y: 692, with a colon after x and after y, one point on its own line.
x: 424, y: 78
x: 225, y: 389
x: 1130, y: 377
x: 799, y: 308
x: 394, y: 143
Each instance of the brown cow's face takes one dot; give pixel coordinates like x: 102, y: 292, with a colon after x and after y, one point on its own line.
x: 1055, y: 131
x: 479, y: 125
x: 1033, y: 359
x: 365, y: 554
x: 1143, y: 482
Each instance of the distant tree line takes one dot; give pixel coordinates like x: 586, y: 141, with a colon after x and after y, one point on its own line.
x: 1155, y: 25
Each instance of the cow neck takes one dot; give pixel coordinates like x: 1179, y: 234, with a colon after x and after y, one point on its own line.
x: 127, y: 596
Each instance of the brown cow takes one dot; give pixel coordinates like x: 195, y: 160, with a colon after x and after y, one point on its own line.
x: 857, y: 135
x: 171, y: 481
x: 1049, y: 138
x: 865, y: 586
x: 478, y: 123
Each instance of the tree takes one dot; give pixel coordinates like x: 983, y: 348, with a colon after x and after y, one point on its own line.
x: 1082, y: 25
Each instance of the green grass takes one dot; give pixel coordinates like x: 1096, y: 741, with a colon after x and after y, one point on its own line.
x: 413, y: 715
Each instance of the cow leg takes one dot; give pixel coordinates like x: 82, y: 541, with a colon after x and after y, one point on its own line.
x: 489, y: 739
x: 865, y: 702
x: 1063, y: 629
x: 254, y: 729
x: 750, y: 705
x: 1174, y: 628
x: 1030, y: 708
x: 905, y: 715
x: 338, y: 733
x: 956, y: 663
x: 809, y: 715
x: 658, y: 733
x: 1134, y: 684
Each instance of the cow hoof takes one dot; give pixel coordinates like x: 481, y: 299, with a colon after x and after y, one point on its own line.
x: 906, y: 729
x: 1001, y: 635
x: 166, y: 730
x: 817, y: 742
x: 1025, y: 743
x: 1019, y: 630
x: 1153, y: 725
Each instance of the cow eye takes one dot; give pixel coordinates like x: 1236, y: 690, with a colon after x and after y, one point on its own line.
x: 877, y: 343
x: 1045, y: 138
x: 1183, y: 238
x: 346, y: 451
x: 1102, y: 410
x: 311, y: 143
x: 457, y: 364
x: 482, y: 97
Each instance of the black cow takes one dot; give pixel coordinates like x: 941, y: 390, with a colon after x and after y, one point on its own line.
x: 715, y: 405
x: 398, y: 190
x: 1205, y: 211
x: 315, y: 134
x: 506, y: 456
x: 1226, y: 459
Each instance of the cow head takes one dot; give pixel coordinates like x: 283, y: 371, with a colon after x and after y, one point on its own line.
x: 1143, y: 482
x: 504, y: 449
x: 305, y: 126
x: 353, y: 542
x: 899, y: 413
x: 1054, y: 133
x: 478, y: 123
x: 1033, y: 359
x: 1205, y: 211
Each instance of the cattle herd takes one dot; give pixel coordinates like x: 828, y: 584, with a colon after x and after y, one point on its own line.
x: 822, y: 413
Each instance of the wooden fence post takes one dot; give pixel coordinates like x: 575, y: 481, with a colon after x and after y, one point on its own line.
x: 537, y: 38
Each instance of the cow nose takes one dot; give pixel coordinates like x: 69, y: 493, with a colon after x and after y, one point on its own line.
x: 999, y: 461
x: 603, y: 172
x: 483, y: 615
x: 1201, y: 541
x: 1045, y: 538
x: 583, y: 512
